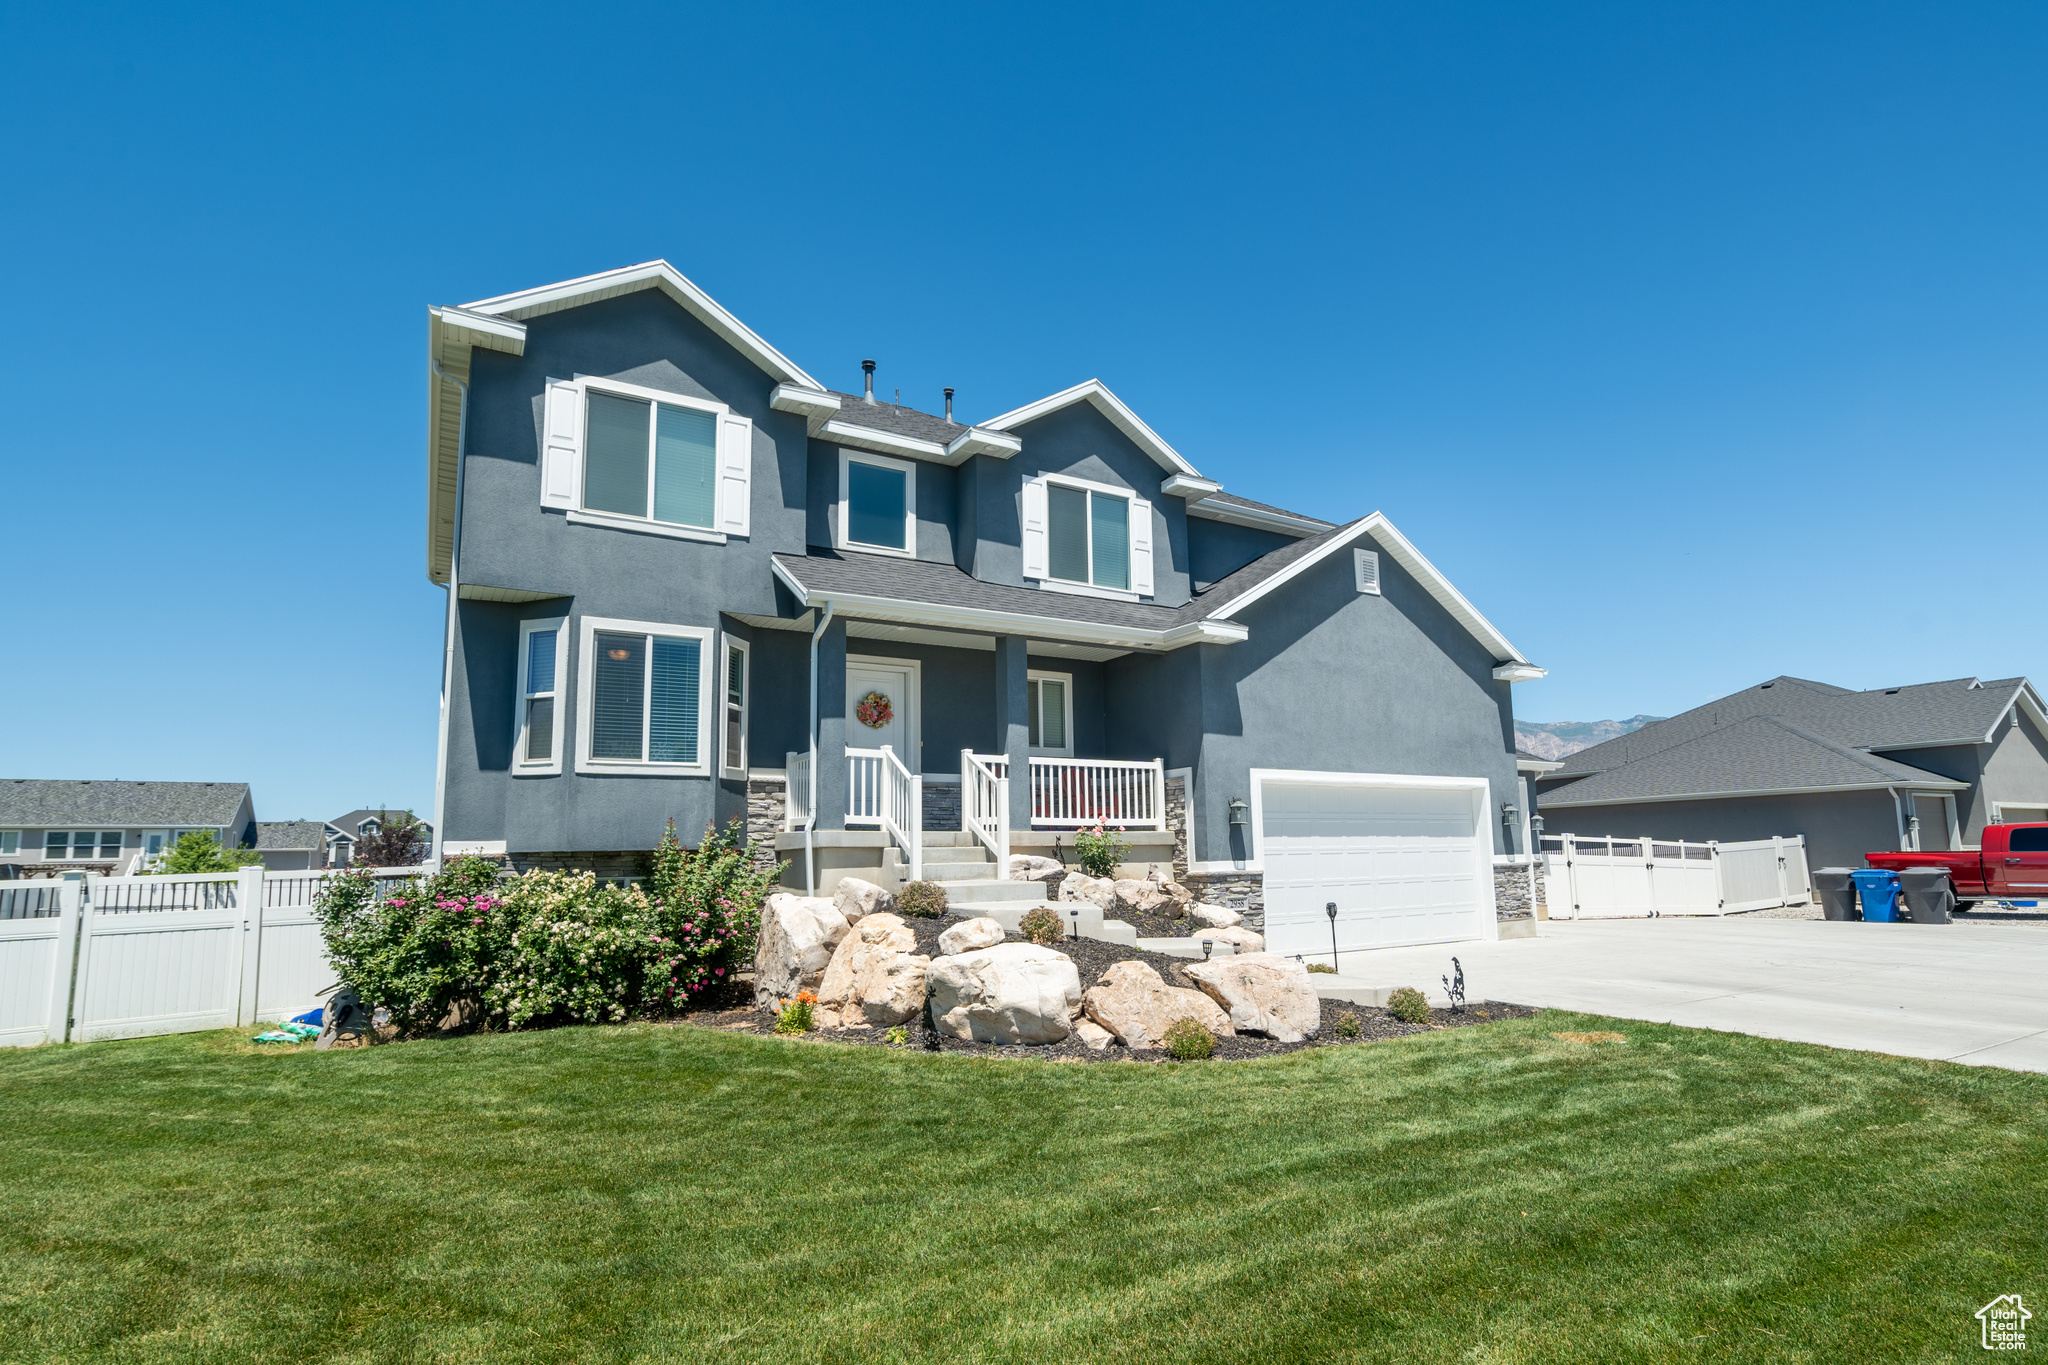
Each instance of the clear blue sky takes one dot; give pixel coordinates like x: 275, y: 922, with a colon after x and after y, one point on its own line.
x: 1697, y: 343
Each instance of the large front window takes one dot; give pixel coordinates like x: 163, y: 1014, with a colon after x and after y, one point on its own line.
x: 652, y: 460
x: 644, y: 696
x: 1088, y: 536
x: 877, y: 503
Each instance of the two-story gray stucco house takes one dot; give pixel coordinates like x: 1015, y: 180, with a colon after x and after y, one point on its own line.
x: 690, y: 581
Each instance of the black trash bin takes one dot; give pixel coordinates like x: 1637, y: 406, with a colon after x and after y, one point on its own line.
x: 1837, y: 893
x: 1929, y: 897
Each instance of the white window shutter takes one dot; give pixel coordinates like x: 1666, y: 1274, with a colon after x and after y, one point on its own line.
x: 1368, y: 565
x: 1037, y: 559
x: 561, y: 444
x: 1141, y: 547
x: 735, y: 473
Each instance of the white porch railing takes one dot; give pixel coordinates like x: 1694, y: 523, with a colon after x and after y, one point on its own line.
x: 881, y: 791
x: 985, y: 804
x: 1069, y: 793
x: 796, y: 791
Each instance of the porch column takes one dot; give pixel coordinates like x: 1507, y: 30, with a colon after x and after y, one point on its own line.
x: 1013, y: 726
x: 832, y: 726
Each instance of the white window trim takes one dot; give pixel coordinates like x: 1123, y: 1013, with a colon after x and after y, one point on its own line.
x: 520, y: 766
x: 10, y: 841
x: 586, y: 673
x: 1067, y: 681
x: 912, y: 710
x: 626, y: 521
x: 1089, y: 589
x: 727, y: 645
x: 842, y: 540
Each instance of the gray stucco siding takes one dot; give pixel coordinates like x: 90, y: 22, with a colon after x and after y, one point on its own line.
x: 1839, y: 827
x: 1217, y: 549
x: 2015, y: 770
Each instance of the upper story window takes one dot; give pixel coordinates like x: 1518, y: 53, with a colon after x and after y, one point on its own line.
x: 646, y: 460
x: 643, y: 698
x: 877, y: 503
x: 1087, y: 537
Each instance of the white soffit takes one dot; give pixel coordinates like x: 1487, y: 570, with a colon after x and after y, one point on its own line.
x: 923, y: 635
x: 1110, y: 406
x: 1258, y: 518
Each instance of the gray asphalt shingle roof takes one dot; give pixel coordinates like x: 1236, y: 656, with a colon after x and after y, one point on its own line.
x: 924, y: 426
x: 281, y: 836
x: 43, y: 801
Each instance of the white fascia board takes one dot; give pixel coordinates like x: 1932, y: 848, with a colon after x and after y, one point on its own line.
x: 1544, y: 803
x: 549, y: 298
x: 1096, y: 392
x: 2026, y: 700
x: 1190, y: 486
x: 462, y: 327
x: 815, y: 403
x: 982, y: 441
x: 1514, y: 673
x: 1536, y: 765
x: 1257, y: 518
x: 884, y: 442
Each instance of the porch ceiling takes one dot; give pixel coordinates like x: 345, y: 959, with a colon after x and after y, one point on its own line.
x: 926, y: 635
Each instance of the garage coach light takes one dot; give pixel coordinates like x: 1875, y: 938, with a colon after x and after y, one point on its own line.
x: 1508, y: 813
x: 1237, y: 810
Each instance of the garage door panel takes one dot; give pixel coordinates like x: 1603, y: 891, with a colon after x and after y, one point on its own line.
x: 1401, y: 863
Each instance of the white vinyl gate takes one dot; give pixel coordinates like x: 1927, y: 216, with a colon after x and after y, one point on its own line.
x: 1619, y: 877
x: 126, y: 957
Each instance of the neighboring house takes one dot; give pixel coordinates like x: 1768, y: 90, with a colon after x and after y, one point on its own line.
x: 1926, y: 766
x: 51, y: 827
x: 292, y: 845
x: 680, y: 566
x: 346, y: 832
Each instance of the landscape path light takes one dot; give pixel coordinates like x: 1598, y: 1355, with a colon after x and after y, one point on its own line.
x: 1331, y: 911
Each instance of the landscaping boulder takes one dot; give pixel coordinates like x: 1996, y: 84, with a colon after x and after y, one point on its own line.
x: 857, y: 899
x: 1134, y: 1002
x: 1263, y: 992
x: 1240, y: 940
x: 876, y: 976
x: 1175, y: 892
x: 798, y: 934
x: 969, y: 935
x: 1029, y: 867
x: 1141, y: 897
x: 1011, y: 993
x: 1216, y: 916
x: 1099, y: 892
x: 1093, y: 1034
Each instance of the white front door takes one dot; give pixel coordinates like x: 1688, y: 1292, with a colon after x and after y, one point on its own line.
x: 895, y: 682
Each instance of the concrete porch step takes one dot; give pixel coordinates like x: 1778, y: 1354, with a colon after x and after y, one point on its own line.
x: 950, y: 871
x: 949, y: 838
x: 988, y: 891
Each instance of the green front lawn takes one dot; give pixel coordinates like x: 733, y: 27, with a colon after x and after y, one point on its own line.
x: 672, y: 1194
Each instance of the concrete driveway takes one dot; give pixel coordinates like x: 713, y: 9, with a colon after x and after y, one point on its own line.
x: 1974, y: 993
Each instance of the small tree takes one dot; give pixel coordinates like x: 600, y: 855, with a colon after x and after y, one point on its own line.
x: 198, y: 850
x: 399, y: 841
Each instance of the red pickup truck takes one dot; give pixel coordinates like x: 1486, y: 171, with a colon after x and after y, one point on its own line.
x: 2011, y: 864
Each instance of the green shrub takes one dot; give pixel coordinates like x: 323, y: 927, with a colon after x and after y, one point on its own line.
x: 416, y: 946
x: 1322, y: 967
x: 1188, y: 1041
x: 197, y: 850
x: 1100, y: 850
x: 1042, y: 926
x: 795, y: 1016
x: 1409, y: 1005
x: 707, y: 911
x: 925, y: 900
x: 1348, y: 1026
x: 898, y: 1036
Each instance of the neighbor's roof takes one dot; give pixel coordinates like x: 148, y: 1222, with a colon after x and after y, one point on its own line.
x: 1925, y: 715
x: 282, y: 836
x: 1759, y: 756
x: 39, y: 801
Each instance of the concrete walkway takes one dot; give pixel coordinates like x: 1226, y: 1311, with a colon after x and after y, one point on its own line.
x: 1973, y: 993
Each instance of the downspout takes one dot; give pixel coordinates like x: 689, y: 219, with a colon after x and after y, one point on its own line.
x: 448, y: 636
x: 810, y: 854
x: 1898, y: 815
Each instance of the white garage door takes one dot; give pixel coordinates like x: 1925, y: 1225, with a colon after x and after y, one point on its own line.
x: 1403, y: 865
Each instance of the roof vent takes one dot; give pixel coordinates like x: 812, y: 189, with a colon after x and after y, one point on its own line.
x: 949, y: 405
x: 1768, y: 685
x: 867, y: 369
x: 1891, y: 691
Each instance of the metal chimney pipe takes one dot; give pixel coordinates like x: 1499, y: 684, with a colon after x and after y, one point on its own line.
x: 949, y: 405
x: 867, y: 368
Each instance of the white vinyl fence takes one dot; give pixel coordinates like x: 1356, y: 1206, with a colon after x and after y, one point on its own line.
x: 125, y: 957
x: 1620, y: 877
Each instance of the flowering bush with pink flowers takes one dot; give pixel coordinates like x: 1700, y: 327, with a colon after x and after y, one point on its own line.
x: 415, y: 947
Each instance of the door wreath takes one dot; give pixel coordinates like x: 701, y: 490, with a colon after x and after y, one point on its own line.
x: 874, y: 711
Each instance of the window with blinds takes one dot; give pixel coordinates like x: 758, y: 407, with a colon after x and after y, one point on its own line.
x: 646, y: 695
x: 539, y: 696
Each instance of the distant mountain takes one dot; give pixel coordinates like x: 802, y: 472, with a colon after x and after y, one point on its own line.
x: 1554, y: 739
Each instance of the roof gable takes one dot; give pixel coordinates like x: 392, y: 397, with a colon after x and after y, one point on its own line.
x: 1095, y: 392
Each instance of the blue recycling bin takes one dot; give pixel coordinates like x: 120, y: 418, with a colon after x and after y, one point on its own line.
x: 1879, y: 891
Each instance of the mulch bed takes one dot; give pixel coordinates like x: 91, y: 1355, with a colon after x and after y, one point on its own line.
x: 1091, y: 959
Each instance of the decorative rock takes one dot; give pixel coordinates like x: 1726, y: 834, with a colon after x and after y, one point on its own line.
x: 1240, y: 940
x: 1216, y: 916
x: 798, y: 934
x: 970, y: 935
x: 857, y: 899
x: 1093, y: 1034
x: 1175, y: 892
x: 1012, y: 993
x: 1135, y: 1003
x: 1029, y: 867
x: 1097, y: 891
x: 876, y: 976
x: 1265, y: 993
x: 1143, y: 898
